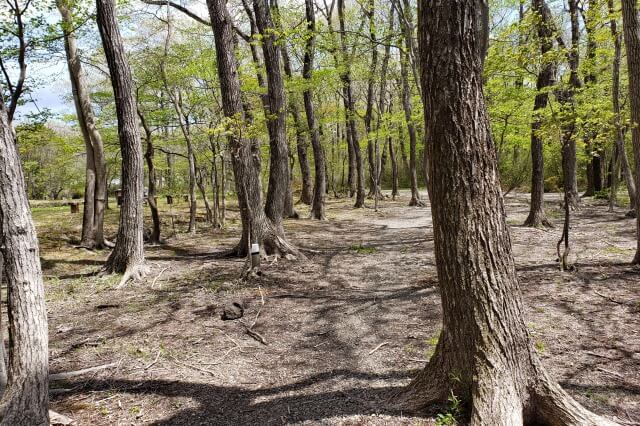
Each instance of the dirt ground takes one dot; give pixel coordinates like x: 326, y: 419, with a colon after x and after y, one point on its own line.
x: 343, y: 329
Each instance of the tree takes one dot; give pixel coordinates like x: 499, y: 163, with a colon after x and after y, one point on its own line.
x: 149, y: 155
x: 320, y: 183
x: 484, y: 355
x: 546, y: 79
x: 127, y: 256
x: 350, y: 108
x: 279, y: 176
x: 95, y: 190
x: 26, y: 397
x: 245, y: 156
x: 615, y: 98
x: 631, y: 24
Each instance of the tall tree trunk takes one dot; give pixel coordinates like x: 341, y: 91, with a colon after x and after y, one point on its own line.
x: 546, y: 79
x: 570, y: 181
x: 320, y: 184
x: 394, y: 169
x: 484, y: 355
x: 368, y: 116
x: 594, y: 152
x: 350, y: 110
x: 406, y: 105
x: 183, y: 119
x: 631, y: 23
x: 615, y: 95
x: 279, y: 176
x: 306, y: 194
x: 245, y: 154
x: 96, y: 175
x: 149, y: 154
x: 127, y: 256
x: 26, y: 397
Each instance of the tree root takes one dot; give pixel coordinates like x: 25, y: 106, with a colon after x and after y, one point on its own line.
x: 538, y: 220
x: 415, y: 202
x: 135, y: 272
x: 500, y: 396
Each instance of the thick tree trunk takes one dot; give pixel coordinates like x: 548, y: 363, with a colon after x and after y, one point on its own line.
x: 546, y: 79
x: 350, y: 110
x: 484, y: 355
x: 245, y: 155
x: 127, y: 256
x: 320, y: 184
x: 96, y: 175
x: 279, y: 176
x: 631, y: 22
x: 149, y: 154
x: 26, y: 397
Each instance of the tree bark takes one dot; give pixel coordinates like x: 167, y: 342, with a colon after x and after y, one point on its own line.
x: 306, y: 194
x: 350, y: 111
x: 594, y: 153
x: 615, y: 95
x: 127, y: 256
x: 279, y: 176
x: 320, y: 183
x: 95, y: 192
x: 569, y: 162
x: 411, y: 130
x: 149, y: 154
x: 631, y: 23
x: 368, y: 116
x: 26, y: 397
x: 484, y: 356
x: 546, y: 79
x: 245, y: 154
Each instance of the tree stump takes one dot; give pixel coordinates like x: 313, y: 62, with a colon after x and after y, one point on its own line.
x: 169, y: 199
x: 74, y: 207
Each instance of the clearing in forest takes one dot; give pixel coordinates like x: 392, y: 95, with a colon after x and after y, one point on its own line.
x: 341, y: 330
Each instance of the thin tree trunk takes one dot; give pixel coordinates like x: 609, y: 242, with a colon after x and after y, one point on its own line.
x: 484, y: 356
x: 406, y: 105
x: 631, y: 23
x: 149, y: 154
x: 569, y: 162
x: 306, y: 194
x: 127, y: 256
x: 594, y: 153
x: 96, y: 178
x: 320, y: 183
x: 26, y: 397
x: 546, y: 79
x: 615, y: 95
x: 350, y: 110
x: 368, y: 116
x: 245, y: 154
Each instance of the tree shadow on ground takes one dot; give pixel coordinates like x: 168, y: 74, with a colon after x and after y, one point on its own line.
x: 293, y: 402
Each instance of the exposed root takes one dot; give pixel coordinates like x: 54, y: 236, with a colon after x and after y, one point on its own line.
x: 135, y: 272
x: 553, y: 406
x: 416, y: 202
x: 427, y: 392
x: 538, y: 220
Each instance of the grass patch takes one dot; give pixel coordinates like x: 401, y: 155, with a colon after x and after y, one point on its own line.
x: 360, y: 249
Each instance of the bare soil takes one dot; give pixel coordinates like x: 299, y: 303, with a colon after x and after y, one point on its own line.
x: 343, y: 329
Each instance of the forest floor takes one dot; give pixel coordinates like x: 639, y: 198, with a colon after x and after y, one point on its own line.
x: 343, y: 329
